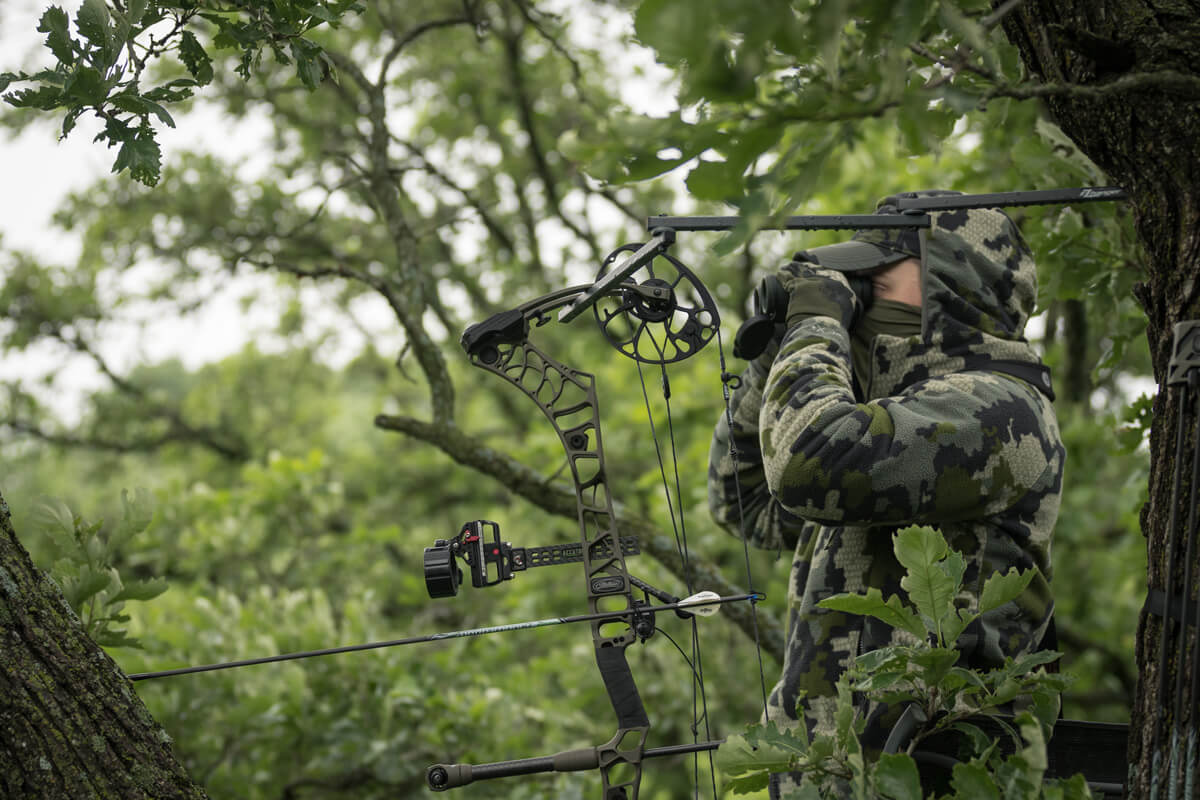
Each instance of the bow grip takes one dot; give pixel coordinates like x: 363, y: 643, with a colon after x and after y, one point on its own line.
x: 622, y: 691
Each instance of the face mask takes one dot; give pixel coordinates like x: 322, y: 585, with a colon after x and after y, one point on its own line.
x: 886, y: 317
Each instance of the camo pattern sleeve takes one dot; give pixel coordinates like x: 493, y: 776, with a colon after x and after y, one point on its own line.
x: 766, y: 525
x: 948, y: 448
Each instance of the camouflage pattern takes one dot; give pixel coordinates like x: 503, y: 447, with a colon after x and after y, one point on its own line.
x: 976, y: 454
x: 813, y: 291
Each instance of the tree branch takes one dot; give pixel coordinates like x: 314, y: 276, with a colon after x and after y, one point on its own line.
x: 536, y: 151
x: 997, y: 16
x: 406, y: 296
x: 1170, y: 82
x: 412, y: 35
x: 485, y: 216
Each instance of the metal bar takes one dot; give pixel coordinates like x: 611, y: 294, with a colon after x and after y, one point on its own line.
x: 818, y: 222
x: 905, y: 203
x: 658, y: 243
x: 1044, y: 197
x: 441, y: 777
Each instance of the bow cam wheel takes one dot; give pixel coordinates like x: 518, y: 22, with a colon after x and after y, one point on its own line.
x: 660, y: 314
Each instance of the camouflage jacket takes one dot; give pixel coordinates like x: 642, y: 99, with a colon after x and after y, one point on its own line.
x: 936, y: 439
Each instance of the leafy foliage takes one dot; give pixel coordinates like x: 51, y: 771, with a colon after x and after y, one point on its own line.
x: 84, y: 558
x: 925, y: 677
x: 100, y: 67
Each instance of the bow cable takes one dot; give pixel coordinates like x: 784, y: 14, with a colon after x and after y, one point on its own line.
x: 680, y: 529
x: 726, y: 379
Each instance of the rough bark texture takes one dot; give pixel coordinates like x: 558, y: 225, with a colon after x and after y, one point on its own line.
x: 70, y: 724
x: 1129, y: 74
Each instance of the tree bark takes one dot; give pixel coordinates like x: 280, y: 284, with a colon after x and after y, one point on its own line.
x: 70, y: 723
x: 1127, y: 75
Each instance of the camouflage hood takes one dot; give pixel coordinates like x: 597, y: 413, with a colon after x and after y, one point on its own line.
x: 979, y: 286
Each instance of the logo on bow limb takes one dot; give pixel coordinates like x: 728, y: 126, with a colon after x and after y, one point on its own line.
x: 652, y: 309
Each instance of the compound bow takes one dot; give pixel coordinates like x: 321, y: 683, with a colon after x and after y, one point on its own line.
x: 665, y: 317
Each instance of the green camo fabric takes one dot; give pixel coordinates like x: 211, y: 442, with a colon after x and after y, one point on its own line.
x: 976, y: 454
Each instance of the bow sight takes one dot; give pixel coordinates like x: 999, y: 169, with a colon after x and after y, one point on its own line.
x: 492, y: 560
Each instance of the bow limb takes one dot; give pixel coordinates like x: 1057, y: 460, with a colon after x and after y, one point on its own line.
x: 567, y: 397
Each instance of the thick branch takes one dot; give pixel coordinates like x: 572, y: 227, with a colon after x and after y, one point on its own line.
x: 406, y: 296
x: 135, y: 445
x: 558, y: 499
x: 1178, y: 84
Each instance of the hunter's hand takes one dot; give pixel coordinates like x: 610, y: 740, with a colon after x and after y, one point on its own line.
x: 818, y: 292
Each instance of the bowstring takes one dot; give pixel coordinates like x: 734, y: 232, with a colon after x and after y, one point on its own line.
x: 699, y: 709
x: 737, y: 485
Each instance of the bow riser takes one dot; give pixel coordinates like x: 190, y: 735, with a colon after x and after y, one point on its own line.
x: 567, y: 397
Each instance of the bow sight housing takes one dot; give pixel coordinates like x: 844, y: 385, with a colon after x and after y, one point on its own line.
x: 492, y: 560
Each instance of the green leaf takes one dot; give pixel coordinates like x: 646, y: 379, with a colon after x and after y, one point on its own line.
x: 954, y: 624
x: 311, y: 64
x: 140, y: 105
x: 1034, y: 752
x: 935, y: 663
x: 95, y: 25
x: 1031, y: 661
x: 1000, y: 589
x: 715, y: 180
x: 981, y: 743
x: 760, y: 750
x: 82, y: 588
x: 972, y: 780
x: 141, y: 155
x: 968, y: 677
x: 934, y: 575
x: 107, y: 637
x: 135, y: 10
x: 45, y: 98
x: 85, y: 86
x: 172, y: 92
x: 896, y: 777
x: 56, y: 25
x: 320, y: 13
x: 876, y: 660
x: 55, y: 520
x: 141, y: 590
x: 195, y: 58
x: 137, y: 513
x: 892, y: 612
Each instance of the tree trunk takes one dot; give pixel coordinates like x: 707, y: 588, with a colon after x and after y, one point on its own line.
x: 1128, y: 97
x: 70, y: 723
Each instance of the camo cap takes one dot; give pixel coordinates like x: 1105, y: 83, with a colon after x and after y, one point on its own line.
x: 872, y: 249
